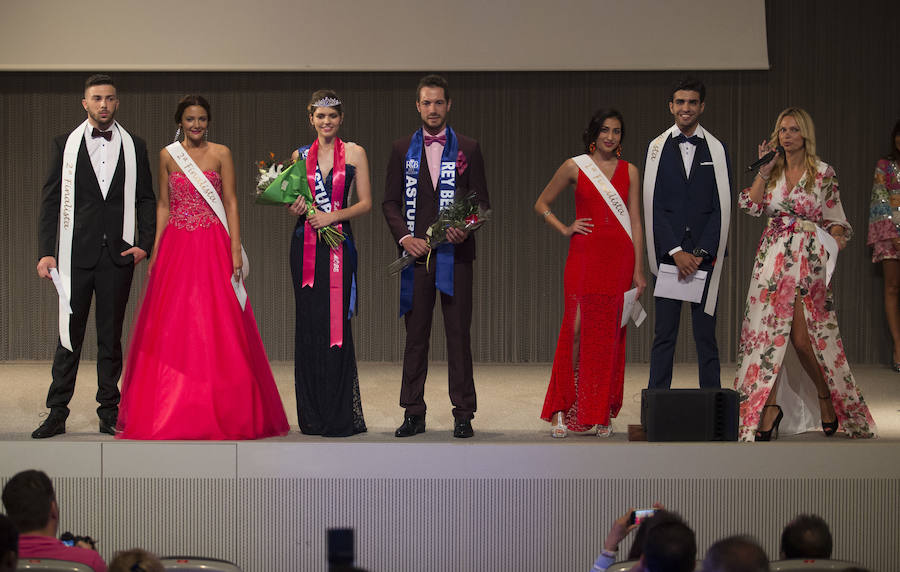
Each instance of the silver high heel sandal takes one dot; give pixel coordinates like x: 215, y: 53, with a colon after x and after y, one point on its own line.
x: 559, y: 431
x: 604, y: 431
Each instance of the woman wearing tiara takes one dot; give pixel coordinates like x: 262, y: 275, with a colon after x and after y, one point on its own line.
x: 196, y: 365
x: 324, y: 278
x: 605, y: 260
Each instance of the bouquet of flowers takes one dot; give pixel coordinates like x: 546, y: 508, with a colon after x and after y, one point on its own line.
x: 281, y: 184
x: 464, y: 214
x: 269, y: 169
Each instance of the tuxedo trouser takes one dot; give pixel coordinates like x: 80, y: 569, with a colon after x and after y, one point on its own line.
x: 457, y: 314
x: 110, y: 284
x: 665, y: 334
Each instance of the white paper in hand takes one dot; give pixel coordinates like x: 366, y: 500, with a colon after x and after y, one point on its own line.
x: 239, y: 291
x: 831, y: 247
x: 63, y: 300
x: 632, y: 309
x: 638, y: 315
x: 668, y: 285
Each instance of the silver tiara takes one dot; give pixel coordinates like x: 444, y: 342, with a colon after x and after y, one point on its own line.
x: 327, y: 102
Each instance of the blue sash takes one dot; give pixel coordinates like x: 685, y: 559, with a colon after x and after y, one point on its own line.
x: 323, y: 201
x: 446, y: 189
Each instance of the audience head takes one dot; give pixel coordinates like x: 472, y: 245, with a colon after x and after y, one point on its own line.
x: 9, y: 545
x: 669, y: 546
x: 807, y: 536
x: 31, y: 503
x: 736, y: 554
x: 661, y: 516
x: 135, y: 560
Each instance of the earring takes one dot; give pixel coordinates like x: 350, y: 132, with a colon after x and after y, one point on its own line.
x: 592, y: 147
x: 619, y: 151
x: 177, y: 134
x: 206, y: 135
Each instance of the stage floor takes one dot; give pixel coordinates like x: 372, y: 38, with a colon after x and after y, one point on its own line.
x: 509, y: 498
x: 510, y: 397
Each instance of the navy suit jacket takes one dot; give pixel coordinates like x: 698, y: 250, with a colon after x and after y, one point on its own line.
x: 686, y: 209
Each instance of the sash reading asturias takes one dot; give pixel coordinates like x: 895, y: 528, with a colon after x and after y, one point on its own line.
x: 446, y: 195
x: 328, y: 204
x: 207, y: 191
x: 67, y: 214
x: 720, y: 169
x: 607, y: 191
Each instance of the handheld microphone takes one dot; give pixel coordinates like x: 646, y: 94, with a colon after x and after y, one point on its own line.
x: 765, y: 158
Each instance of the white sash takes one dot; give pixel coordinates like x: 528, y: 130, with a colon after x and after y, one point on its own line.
x: 720, y: 169
x: 206, y: 190
x: 67, y: 215
x: 607, y: 191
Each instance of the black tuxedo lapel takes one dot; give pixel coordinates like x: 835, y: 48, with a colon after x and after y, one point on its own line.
x: 117, y: 184
x: 84, y: 172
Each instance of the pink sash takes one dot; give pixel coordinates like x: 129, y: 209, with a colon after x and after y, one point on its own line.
x: 336, y: 255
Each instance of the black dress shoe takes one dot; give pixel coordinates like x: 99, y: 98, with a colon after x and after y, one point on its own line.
x: 108, y: 424
x: 462, y: 429
x: 54, y: 424
x: 412, y: 425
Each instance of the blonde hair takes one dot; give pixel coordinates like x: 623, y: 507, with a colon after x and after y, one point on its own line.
x: 808, y: 132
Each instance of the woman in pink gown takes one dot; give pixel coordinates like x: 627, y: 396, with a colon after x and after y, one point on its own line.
x: 196, y: 365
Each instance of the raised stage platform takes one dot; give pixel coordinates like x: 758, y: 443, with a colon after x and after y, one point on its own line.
x: 510, y: 498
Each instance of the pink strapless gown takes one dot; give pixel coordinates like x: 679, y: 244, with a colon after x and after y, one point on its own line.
x: 196, y: 366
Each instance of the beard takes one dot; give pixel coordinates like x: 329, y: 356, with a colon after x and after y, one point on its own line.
x: 104, y: 124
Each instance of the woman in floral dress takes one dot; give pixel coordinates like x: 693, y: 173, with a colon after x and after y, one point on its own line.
x: 884, y: 237
x: 789, y: 302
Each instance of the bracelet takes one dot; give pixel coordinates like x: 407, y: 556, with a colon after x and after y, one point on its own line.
x: 547, y: 213
x: 763, y: 177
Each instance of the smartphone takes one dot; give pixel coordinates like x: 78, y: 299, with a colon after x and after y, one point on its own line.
x: 340, y: 546
x: 639, y: 516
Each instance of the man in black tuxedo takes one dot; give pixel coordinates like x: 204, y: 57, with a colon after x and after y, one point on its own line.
x: 687, y: 207
x: 99, y: 183
x: 426, y: 169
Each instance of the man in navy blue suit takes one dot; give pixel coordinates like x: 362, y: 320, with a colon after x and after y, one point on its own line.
x: 687, y: 206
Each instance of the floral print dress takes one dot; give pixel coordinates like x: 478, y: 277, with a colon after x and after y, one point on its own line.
x: 790, y: 262
x: 885, y: 197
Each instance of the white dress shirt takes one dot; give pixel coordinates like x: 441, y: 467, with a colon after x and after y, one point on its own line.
x: 688, y: 150
x: 104, y: 155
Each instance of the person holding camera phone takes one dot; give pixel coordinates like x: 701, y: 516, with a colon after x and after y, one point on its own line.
x: 663, y: 541
x: 30, y: 503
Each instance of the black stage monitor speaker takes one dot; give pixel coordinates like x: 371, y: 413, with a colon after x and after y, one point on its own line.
x: 690, y: 414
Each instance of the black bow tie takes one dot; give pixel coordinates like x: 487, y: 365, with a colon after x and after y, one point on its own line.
x: 693, y: 139
x: 105, y: 134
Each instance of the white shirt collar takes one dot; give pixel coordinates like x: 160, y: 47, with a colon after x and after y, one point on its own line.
x: 699, y: 132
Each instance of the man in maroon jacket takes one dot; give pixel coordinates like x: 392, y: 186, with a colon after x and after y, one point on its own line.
x: 426, y: 171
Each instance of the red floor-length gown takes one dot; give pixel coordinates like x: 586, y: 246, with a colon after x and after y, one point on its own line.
x: 599, y: 270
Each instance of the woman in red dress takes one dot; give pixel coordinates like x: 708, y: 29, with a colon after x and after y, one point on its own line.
x: 604, y: 262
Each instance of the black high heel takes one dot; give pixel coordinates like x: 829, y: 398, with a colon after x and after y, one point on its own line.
x: 767, y: 435
x: 829, y: 428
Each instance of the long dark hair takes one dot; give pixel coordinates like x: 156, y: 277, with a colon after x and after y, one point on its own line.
x: 894, y: 155
x: 593, y: 127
